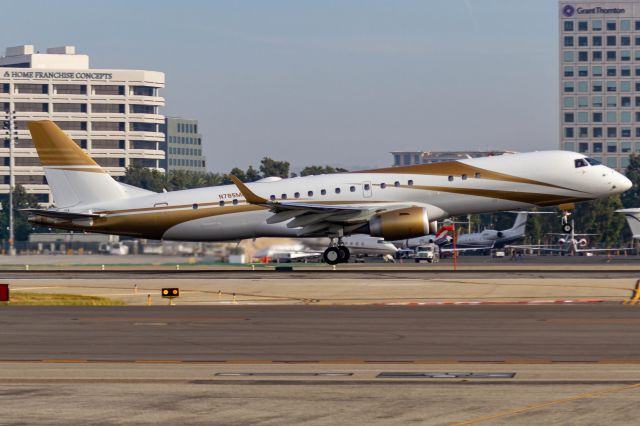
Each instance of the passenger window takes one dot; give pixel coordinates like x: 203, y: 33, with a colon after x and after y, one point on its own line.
x: 221, y: 203
x: 272, y: 197
x: 383, y: 185
x: 310, y: 194
x: 367, y: 187
x: 283, y: 196
x: 396, y: 184
x: 580, y: 162
x: 195, y: 207
x: 296, y: 195
x: 352, y: 188
x: 235, y: 202
x: 323, y: 192
x: 477, y: 175
x: 450, y: 178
x: 410, y: 182
x: 464, y: 177
x: 337, y: 190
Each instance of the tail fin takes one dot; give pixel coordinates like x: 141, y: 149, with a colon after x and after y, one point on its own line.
x: 633, y: 219
x: 74, y: 178
x: 520, y: 222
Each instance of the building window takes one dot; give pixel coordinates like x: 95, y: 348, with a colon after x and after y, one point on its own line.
x: 612, y: 147
x: 583, y: 86
x: 583, y: 26
x: 583, y: 41
x: 72, y: 125
x: 611, y: 86
x: 611, y: 71
x: 611, y: 40
x: 112, y: 126
x: 625, y: 55
x: 596, y: 41
x: 597, y: 132
x: 144, y: 145
x: 583, y: 147
x: 143, y: 127
x: 568, y: 56
x: 596, y: 101
x: 143, y: 91
x: 568, y: 132
x: 69, y: 107
x: 596, y: 86
x: 107, y: 108
x: 34, y: 89
x: 597, y: 117
x: 583, y: 56
x: 108, y: 89
x: 612, y: 132
x: 142, y: 109
x: 625, y: 25
x: 568, y: 87
x: 583, y: 132
x: 568, y: 25
x: 611, y: 25
x: 568, y: 117
x: 596, y: 25
x: 611, y: 101
x: 596, y: 55
x: 583, y: 117
x: 568, y: 71
x: 625, y: 147
x: 612, y: 162
x: 31, y: 107
x: 611, y: 55
x: 625, y: 71
x: 612, y: 117
x: 625, y: 41
x: 107, y: 144
x: 568, y: 41
x: 597, y: 147
x: 583, y: 71
x: 70, y: 89
x: 569, y: 146
x: 567, y: 101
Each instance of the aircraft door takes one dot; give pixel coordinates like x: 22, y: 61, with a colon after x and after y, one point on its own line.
x: 366, y: 189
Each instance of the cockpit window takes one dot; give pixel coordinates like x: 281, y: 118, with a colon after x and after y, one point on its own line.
x: 581, y: 162
x: 593, y: 161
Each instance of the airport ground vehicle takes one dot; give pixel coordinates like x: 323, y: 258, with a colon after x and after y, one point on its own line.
x: 427, y: 253
x: 392, y: 203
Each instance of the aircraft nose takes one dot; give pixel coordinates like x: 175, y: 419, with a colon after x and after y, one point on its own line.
x: 623, y: 183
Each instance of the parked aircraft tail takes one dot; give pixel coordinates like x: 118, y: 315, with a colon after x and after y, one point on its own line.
x: 74, y: 178
x: 633, y: 219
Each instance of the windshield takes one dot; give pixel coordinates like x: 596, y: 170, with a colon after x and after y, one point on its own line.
x: 593, y: 161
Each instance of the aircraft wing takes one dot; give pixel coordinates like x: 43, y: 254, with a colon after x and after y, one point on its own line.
x: 315, y: 218
x: 603, y: 250
x: 464, y: 249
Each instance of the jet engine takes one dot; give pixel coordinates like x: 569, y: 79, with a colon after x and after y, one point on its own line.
x: 582, y: 242
x: 400, y: 224
x: 499, y: 234
x: 562, y: 241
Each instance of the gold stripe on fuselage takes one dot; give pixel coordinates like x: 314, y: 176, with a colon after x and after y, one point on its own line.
x: 455, y: 168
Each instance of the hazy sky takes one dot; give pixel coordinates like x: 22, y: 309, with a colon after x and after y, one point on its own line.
x: 326, y: 82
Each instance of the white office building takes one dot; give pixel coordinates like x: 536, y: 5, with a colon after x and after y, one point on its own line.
x: 112, y: 114
x: 600, y: 79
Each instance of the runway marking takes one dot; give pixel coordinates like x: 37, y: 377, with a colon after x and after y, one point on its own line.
x: 538, y: 406
x: 161, y: 319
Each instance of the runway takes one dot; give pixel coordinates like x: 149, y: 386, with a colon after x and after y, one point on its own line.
x: 600, y: 333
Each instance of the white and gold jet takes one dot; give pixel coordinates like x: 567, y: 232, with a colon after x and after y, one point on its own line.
x: 392, y: 203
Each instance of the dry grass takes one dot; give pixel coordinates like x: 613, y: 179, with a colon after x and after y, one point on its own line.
x: 25, y: 298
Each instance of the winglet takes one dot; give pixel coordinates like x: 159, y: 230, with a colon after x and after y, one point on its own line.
x: 249, y: 195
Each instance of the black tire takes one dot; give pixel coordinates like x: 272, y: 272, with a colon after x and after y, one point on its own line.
x: 345, y: 254
x: 331, y: 256
x: 566, y: 228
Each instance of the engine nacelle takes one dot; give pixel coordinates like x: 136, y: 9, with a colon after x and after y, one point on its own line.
x: 400, y: 224
x: 499, y: 234
x: 562, y: 241
x: 582, y: 242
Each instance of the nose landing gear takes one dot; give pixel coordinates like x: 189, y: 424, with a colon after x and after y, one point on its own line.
x: 336, y: 253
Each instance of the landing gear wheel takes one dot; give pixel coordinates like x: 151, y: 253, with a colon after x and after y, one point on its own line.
x: 331, y: 256
x: 566, y: 228
x: 344, y: 254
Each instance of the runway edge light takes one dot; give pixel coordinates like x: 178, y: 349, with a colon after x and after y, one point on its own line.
x: 171, y: 292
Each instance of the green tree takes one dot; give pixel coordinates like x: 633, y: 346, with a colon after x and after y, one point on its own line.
x: 270, y: 167
x: 320, y: 170
x: 631, y: 198
x: 21, y: 226
x: 252, y: 175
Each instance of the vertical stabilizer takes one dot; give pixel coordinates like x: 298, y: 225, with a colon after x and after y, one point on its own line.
x: 74, y: 178
x: 520, y: 223
x: 633, y: 219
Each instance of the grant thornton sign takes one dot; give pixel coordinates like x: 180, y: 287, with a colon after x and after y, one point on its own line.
x: 568, y: 10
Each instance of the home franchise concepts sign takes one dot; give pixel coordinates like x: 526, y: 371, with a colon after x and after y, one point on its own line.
x: 58, y: 74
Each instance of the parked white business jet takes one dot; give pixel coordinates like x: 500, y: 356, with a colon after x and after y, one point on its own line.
x: 486, y: 239
x: 357, y: 244
x: 392, y: 203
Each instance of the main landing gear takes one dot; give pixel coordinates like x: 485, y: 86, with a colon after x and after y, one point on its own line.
x: 336, y: 253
